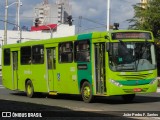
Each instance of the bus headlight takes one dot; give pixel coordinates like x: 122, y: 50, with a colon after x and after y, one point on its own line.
x: 153, y: 81
x: 116, y: 83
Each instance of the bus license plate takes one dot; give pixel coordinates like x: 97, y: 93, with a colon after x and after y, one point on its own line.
x: 137, y: 89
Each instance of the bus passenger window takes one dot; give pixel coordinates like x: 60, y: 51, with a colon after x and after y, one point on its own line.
x: 26, y: 55
x: 66, y: 52
x: 38, y: 54
x: 82, y: 51
x: 6, y: 57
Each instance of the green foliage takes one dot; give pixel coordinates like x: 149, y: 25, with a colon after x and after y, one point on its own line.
x: 147, y: 17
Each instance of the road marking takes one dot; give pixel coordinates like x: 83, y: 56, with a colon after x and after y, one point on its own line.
x: 156, y: 118
x: 1, y: 87
x: 145, y: 118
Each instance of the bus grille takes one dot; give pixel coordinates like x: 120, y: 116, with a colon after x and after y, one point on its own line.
x: 134, y: 77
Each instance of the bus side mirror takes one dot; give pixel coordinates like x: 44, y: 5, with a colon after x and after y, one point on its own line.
x: 107, y: 46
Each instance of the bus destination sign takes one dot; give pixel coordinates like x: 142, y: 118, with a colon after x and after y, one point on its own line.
x: 131, y: 35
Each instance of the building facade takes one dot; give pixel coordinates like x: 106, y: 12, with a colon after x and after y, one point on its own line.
x: 54, y: 13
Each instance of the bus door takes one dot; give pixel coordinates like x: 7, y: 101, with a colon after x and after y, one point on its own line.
x: 15, y: 69
x: 51, y: 66
x: 100, y: 68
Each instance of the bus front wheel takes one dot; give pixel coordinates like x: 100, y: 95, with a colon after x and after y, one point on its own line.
x: 128, y: 98
x: 86, y: 92
x: 29, y: 89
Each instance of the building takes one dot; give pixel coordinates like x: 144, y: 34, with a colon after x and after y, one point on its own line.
x: 53, y: 13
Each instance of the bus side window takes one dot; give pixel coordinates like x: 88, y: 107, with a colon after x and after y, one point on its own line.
x: 6, y: 57
x: 66, y: 52
x: 38, y: 54
x: 25, y: 55
x: 82, y: 51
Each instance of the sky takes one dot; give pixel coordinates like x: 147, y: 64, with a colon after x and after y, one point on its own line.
x: 93, y: 12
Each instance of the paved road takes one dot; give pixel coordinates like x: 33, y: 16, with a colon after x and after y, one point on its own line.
x: 66, y: 105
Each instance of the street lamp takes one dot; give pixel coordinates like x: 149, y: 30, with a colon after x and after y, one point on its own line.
x: 37, y: 22
x: 6, y: 18
x: 50, y: 30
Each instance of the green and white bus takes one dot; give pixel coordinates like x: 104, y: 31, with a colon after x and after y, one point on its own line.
x: 120, y: 62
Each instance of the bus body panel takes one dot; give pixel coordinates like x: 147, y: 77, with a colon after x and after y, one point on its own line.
x: 39, y: 78
x: 7, y: 78
x: 67, y: 78
x: 24, y: 75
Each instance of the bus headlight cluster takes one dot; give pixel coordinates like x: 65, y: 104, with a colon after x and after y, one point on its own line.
x: 153, y: 81
x: 116, y: 83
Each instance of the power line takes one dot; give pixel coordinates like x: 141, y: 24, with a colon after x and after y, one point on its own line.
x: 90, y: 20
x: 127, y: 1
x: 93, y: 21
x: 94, y: 28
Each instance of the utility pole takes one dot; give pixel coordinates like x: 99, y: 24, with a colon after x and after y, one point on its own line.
x: 108, y: 14
x: 5, y: 23
x: 18, y: 9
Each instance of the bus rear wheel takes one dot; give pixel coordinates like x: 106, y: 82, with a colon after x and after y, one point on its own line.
x: 29, y: 89
x: 128, y: 98
x: 86, y: 92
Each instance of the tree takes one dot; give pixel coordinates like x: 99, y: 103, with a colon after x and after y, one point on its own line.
x: 147, y: 17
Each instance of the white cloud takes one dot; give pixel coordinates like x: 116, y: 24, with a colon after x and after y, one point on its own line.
x: 88, y: 8
x: 93, y: 11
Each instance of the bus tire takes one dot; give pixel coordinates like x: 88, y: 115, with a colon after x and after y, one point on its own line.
x: 86, y: 92
x: 128, y: 98
x: 29, y: 89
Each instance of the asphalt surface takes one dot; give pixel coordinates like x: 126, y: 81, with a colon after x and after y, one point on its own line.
x: 46, y: 112
x: 64, y: 107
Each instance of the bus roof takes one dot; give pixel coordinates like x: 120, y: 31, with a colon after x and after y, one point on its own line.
x: 92, y: 35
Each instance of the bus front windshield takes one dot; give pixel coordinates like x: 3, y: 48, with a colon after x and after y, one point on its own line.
x: 132, y: 56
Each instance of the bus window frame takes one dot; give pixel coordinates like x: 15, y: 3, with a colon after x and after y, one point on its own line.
x: 63, y: 51
x: 40, y: 54
x: 85, y: 53
x: 4, y: 57
x: 29, y: 56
